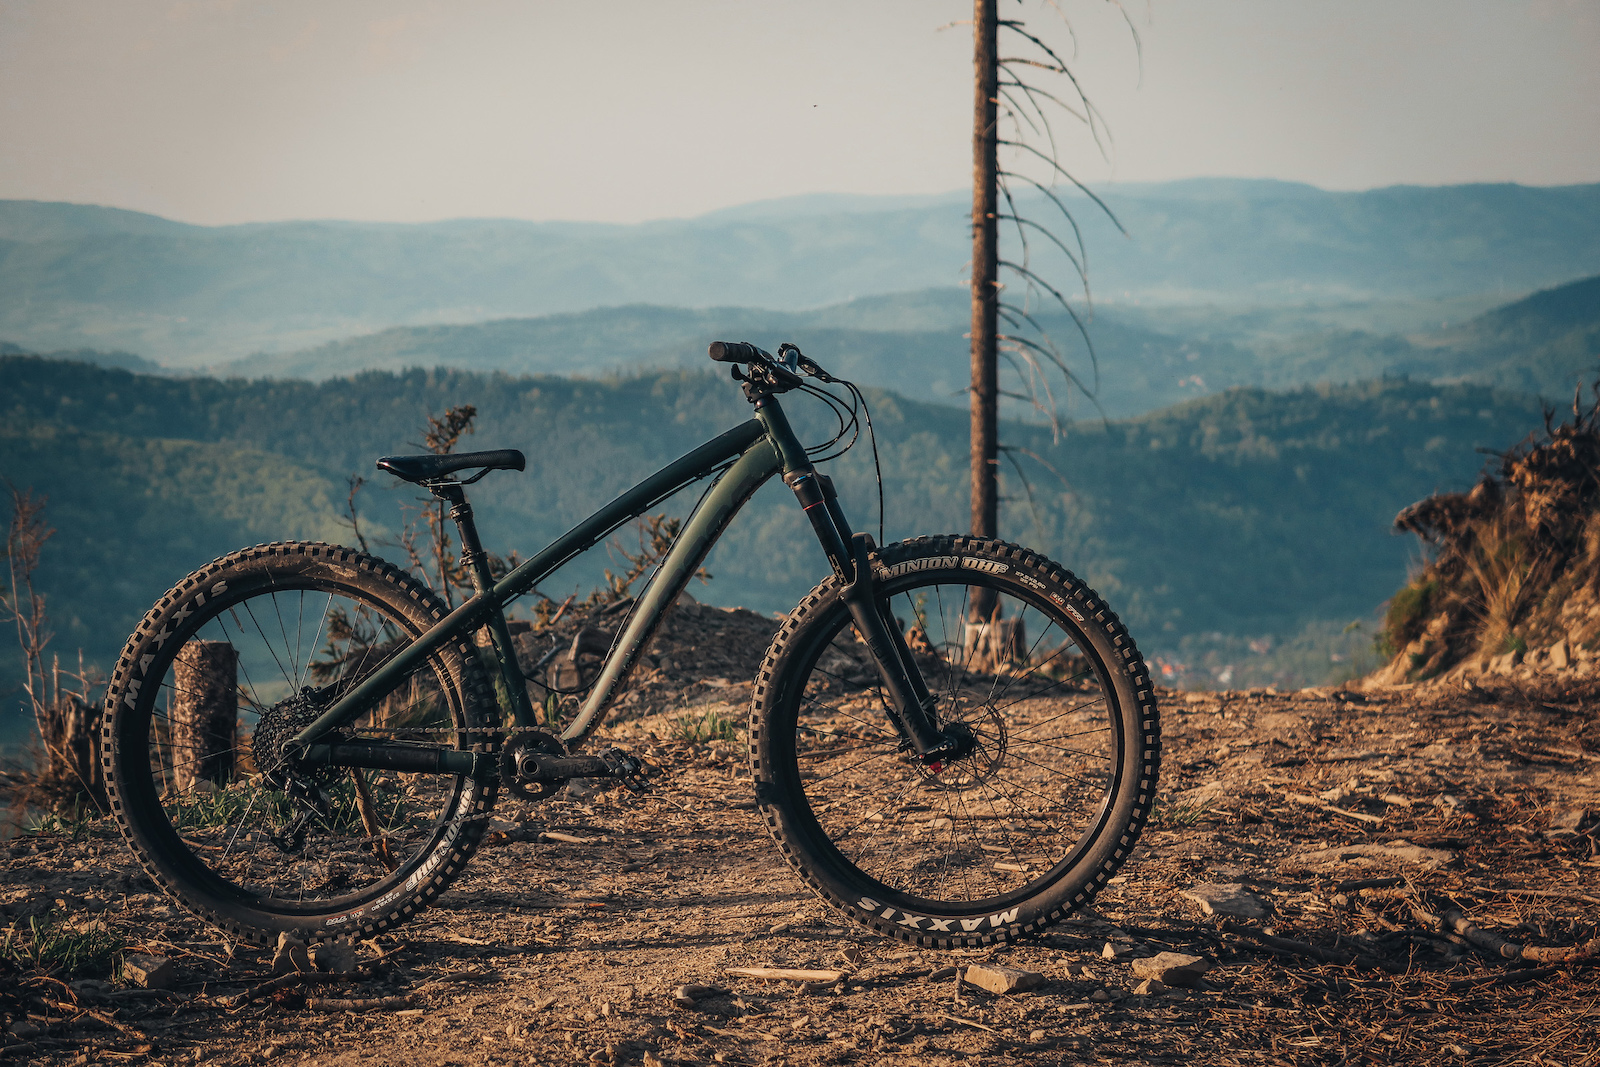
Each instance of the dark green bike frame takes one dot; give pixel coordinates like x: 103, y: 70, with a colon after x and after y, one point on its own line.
x: 751, y: 454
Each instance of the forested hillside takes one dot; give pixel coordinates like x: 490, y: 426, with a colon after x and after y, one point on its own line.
x: 912, y: 343
x: 1244, y: 514
x: 73, y: 276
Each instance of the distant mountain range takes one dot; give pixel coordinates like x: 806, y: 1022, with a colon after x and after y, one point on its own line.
x: 914, y: 344
x: 75, y: 276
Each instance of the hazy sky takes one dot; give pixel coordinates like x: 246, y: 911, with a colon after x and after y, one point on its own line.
x: 220, y: 111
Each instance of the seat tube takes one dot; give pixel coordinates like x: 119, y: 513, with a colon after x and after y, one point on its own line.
x: 476, y: 561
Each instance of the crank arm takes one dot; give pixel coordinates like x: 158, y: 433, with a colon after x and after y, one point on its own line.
x: 542, y: 768
x: 910, y: 704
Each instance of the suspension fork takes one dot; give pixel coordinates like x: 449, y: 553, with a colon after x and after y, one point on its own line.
x: 912, y: 707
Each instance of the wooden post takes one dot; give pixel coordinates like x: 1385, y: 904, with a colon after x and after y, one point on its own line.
x: 205, y: 713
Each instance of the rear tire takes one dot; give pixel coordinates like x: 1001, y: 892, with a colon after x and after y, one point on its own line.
x: 340, y: 853
x: 1016, y: 834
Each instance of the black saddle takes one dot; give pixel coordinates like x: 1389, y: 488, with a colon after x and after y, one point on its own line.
x: 424, y: 469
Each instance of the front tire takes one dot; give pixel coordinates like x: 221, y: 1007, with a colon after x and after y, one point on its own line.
x: 1026, y: 826
x: 216, y: 819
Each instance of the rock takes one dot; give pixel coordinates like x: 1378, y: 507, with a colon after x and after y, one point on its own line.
x: 942, y: 974
x: 1149, y: 988
x: 1002, y: 980
x: 1397, y: 851
x: 1100, y: 996
x: 151, y: 972
x: 1119, y: 949
x: 690, y: 995
x: 91, y: 988
x: 290, y: 956
x: 1229, y: 898
x: 1171, y: 968
x: 1565, y: 823
x: 337, y: 957
x: 1560, y: 655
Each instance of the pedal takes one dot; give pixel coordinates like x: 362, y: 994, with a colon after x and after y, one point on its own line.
x: 627, y: 770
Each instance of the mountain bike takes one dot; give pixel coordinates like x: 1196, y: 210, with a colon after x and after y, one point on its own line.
x: 304, y: 739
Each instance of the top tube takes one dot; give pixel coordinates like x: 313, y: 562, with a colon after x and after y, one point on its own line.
x: 630, y: 505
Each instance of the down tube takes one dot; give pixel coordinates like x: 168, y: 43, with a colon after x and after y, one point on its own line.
x: 730, y: 493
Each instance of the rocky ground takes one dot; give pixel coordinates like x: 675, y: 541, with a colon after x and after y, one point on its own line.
x: 1369, y: 846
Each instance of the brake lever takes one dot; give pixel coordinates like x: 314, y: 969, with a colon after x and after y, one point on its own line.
x: 810, y: 366
x: 798, y: 362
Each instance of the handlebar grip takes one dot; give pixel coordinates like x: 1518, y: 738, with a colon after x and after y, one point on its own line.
x: 736, y: 352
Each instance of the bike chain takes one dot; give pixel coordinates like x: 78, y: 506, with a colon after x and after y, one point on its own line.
x: 632, y: 784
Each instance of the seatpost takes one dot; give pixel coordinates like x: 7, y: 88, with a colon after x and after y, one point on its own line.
x: 473, y: 557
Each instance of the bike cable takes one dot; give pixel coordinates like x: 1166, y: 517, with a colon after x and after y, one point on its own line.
x: 850, y: 418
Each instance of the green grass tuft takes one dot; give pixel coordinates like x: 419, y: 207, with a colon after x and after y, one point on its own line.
x: 52, y: 945
x: 709, y: 725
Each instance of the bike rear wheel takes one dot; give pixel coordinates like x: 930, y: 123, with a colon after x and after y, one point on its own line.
x: 1022, y: 829
x: 228, y: 666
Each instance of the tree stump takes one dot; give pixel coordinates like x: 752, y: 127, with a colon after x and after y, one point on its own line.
x: 990, y: 647
x: 205, y: 713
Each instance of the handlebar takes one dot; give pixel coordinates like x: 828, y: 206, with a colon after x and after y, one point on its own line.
x: 738, y: 352
x: 778, y: 373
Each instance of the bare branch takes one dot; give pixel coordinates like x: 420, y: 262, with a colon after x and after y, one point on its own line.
x: 1076, y: 232
x: 1027, y: 490
x: 1034, y: 90
x: 352, y: 517
x: 1022, y: 221
x: 1041, y: 461
x: 1096, y: 120
x: 1071, y: 378
x: 1016, y: 112
x: 1059, y: 169
x: 1015, y: 348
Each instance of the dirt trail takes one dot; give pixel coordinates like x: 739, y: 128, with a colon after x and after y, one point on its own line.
x: 567, y: 950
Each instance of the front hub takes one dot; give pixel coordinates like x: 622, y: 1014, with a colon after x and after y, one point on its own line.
x: 976, y: 749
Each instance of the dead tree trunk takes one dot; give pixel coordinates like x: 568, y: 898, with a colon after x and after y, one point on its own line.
x: 205, y: 713
x: 985, y: 270
x: 69, y: 728
x: 985, y: 285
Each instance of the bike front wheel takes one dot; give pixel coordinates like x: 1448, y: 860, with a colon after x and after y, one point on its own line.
x: 1051, y: 793
x: 232, y: 663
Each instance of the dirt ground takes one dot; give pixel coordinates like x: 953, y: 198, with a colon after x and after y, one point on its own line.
x: 1357, y: 818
